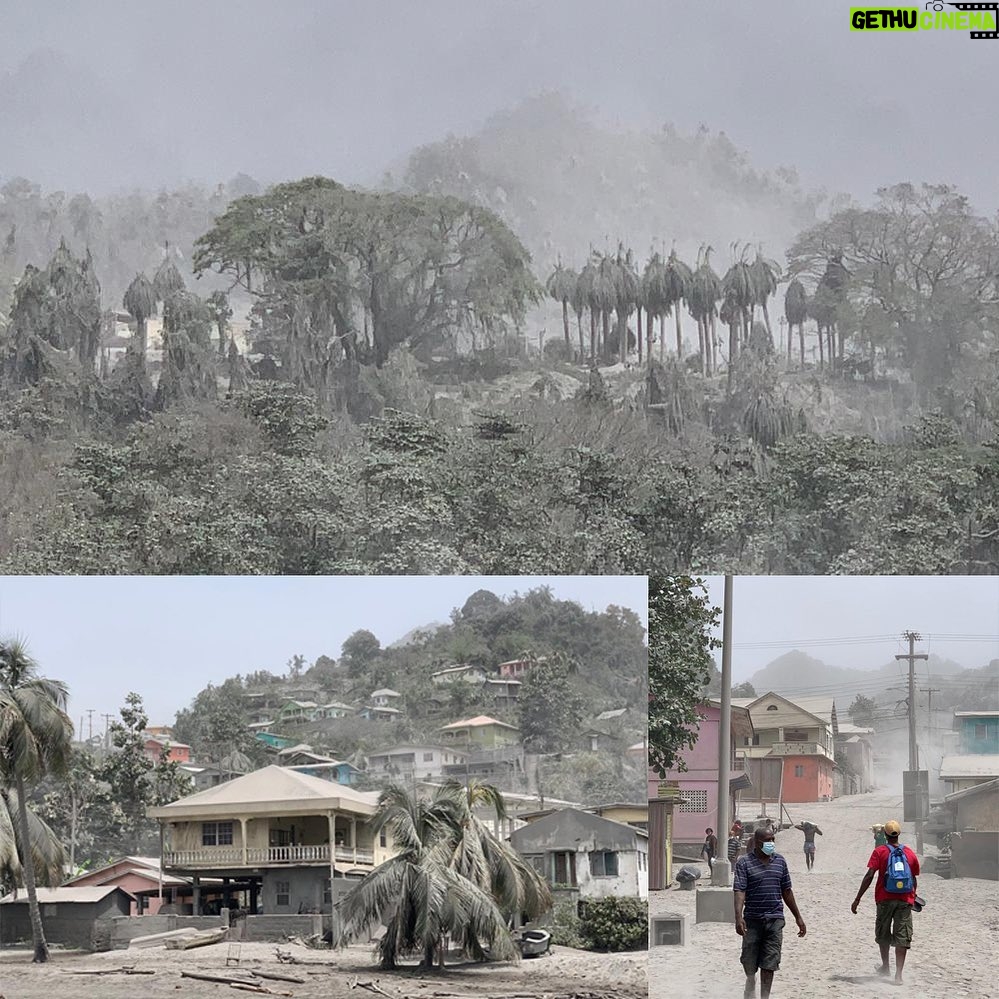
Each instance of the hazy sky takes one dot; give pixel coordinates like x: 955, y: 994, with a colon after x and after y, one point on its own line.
x: 117, y: 93
x: 168, y: 637
x: 788, y: 612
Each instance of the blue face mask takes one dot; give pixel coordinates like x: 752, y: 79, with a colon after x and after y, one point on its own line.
x: 769, y: 848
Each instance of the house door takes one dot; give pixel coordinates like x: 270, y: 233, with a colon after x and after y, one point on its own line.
x: 565, y: 868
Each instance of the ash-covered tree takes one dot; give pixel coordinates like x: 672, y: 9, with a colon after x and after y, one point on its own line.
x: 318, y: 257
x: 550, y: 706
x: 215, y: 723
x: 681, y: 620
x: 140, y: 301
x: 744, y: 689
x: 359, y: 652
x: 861, y: 711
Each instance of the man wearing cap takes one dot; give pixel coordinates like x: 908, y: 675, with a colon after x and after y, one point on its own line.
x: 762, y: 888
x: 893, y: 922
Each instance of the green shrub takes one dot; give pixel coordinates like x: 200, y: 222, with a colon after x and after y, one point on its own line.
x: 614, y: 924
x: 565, y: 925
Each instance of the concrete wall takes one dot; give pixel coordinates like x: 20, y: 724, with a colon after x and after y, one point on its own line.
x: 87, y: 927
x: 127, y: 928
x: 305, y: 885
x: 975, y: 855
x: 275, y: 928
x: 815, y: 785
x: 979, y: 812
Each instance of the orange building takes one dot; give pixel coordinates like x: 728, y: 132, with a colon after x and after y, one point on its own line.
x: 176, y: 752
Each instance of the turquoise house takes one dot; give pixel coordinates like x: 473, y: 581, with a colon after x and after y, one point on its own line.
x: 979, y: 732
x: 274, y: 741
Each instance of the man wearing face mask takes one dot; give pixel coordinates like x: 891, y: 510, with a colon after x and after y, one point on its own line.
x: 762, y: 889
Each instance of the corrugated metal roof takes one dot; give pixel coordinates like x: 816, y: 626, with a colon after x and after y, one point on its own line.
x: 48, y: 896
x: 957, y: 767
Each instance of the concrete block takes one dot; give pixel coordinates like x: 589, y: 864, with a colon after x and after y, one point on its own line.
x: 715, y: 905
x: 670, y: 928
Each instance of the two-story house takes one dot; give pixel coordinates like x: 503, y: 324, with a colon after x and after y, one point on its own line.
x: 481, y: 731
x: 452, y: 674
x: 294, y: 712
x: 515, y: 669
x: 696, y: 788
x: 279, y: 840
x: 586, y: 855
x: 153, y: 747
x: 422, y: 762
x: 977, y: 759
x: 385, y: 698
x: 800, y: 733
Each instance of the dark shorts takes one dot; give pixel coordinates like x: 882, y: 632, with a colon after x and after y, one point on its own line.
x: 761, y: 945
x: 893, y: 924
x: 809, y: 848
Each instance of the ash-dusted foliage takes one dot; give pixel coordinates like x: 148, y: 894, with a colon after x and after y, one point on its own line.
x: 451, y: 879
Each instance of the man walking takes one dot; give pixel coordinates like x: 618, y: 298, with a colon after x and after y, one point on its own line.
x: 809, y: 829
x: 734, y: 845
x: 710, y: 848
x: 762, y: 889
x: 895, y: 868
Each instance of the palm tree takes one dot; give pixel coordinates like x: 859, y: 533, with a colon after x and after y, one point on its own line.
x: 705, y: 293
x: 140, y: 301
x: 47, y: 852
x: 449, y: 879
x: 167, y: 279
x: 35, y: 740
x: 679, y: 279
x: 560, y: 285
x: 656, y: 292
x: 578, y: 302
x: 796, y: 311
x: 627, y: 287
x: 585, y: 290
x: 605, y: 285
x: 738, y: 286
x: 765, y: 274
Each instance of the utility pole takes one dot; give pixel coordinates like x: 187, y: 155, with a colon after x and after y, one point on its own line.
x: 107, y: 730
x: 721, y: 872
x: 90, y: 719
x: 912, y: 656
x: 930, y: 691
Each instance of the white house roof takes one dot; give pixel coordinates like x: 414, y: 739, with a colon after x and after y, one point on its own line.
x: 300, y: 704
x: 386, y: 692
x: 959, y: 767
x: 848, y: 728
x: 988, y: 787
x: 272, y: 790
x: 504, y: 681
x: 378, y: 709
x: 337, y: 704
x: 47, y: 896
x: 608, y: 715
x: 976, y: 714
x: 456, y: 669
x: 414, y: 747
x: 479, y: 721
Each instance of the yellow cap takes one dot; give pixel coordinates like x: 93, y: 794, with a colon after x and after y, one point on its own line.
x: 892, y: 828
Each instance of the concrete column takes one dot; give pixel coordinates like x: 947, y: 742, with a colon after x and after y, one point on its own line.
x: 242, y: 836
x: 353, y: 836
x: 196, y: 895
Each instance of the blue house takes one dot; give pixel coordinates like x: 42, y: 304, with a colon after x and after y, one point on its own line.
x: 979, y: 732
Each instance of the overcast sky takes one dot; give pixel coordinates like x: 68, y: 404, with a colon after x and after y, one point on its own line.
x: 169, y: 637
x: 115, y: 93
x: 787, y: 612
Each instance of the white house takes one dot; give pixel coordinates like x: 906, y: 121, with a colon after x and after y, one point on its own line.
x: 420, y: 761
x: 451, y: 674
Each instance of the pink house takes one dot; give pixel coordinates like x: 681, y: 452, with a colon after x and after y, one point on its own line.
x: 140, y: 877
x: 177, y: 752
x: 698, y: 784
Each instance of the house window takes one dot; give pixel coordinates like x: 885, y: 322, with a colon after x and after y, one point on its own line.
x: 693, y: 801
x: 772, y: 707
x: 282, y: 893
x: 537, y: 861
x: 428, y: 757
x: 216, y: 834
x: 327, y: 892
x: 382, y: 838
x: 980, y: 731
x: 603, y: 864
x: 641, y: 861
x: 564, y: 868
x: 799, y: 770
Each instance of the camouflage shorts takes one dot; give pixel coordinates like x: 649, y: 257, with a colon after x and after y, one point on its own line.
x: 893, y: 923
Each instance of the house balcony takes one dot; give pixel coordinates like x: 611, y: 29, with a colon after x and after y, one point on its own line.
x: 800, y: 749
x: 272, y: 856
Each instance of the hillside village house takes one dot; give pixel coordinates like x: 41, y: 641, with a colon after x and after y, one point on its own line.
x: 284, y: 841
x: 273, y: 741
x: 423, y: 762
x: 481, y: 731
x: 505, y: 691
x: 800, y: 733
x: 297, y: 712
x: 176, y: 752
x: 854, y: 742
x: 374, y: 712
x: 697, y: 786
x: 78, y: 917
x: 452, y: 674
x: 335, y: 710
x: 585, y: 855
x: 515, y: 669
x: 385, y: 698
x: 977, y: 759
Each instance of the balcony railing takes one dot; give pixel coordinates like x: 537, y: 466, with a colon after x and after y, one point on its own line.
x: 230, y: 856
x: 800, y: 749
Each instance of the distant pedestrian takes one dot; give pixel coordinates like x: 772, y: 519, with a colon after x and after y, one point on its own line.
x: 895, y: 867
x: 734, y: 845
x: 710, y: 847
x: 762, y: 889
x: 809, y: 829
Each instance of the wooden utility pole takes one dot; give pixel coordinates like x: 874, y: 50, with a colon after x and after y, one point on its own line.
x: 929, y: 691
x: 721, y: 871
x: 911, y: 657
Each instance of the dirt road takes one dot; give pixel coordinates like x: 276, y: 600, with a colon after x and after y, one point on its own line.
x: 331, y: 975
x: 954, y: 949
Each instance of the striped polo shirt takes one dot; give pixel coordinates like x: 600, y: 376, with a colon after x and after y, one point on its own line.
x: 763, y: 884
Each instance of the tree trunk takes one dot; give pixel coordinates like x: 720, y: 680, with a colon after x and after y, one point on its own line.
x: 593, y: 337
x: 679, y: 331
x: 713, y: 335
x: 801, y: 343
x: 582, y: 344
x: 28, y: 868
x: 605, y: 330
x: 662, y: 338
x: 650, y: 325
x: 141, y: 330
x: 638, y: 333
x: 822, y: 349
x: 766, y: 320
x: 747, y: 325
x: 701, y: 345
x: 565, y: 321
x: 733, y: 350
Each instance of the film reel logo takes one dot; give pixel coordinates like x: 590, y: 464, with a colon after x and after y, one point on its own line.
x: 979, y: 8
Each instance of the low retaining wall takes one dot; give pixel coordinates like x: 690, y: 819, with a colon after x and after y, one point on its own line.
x: 264, y: 928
